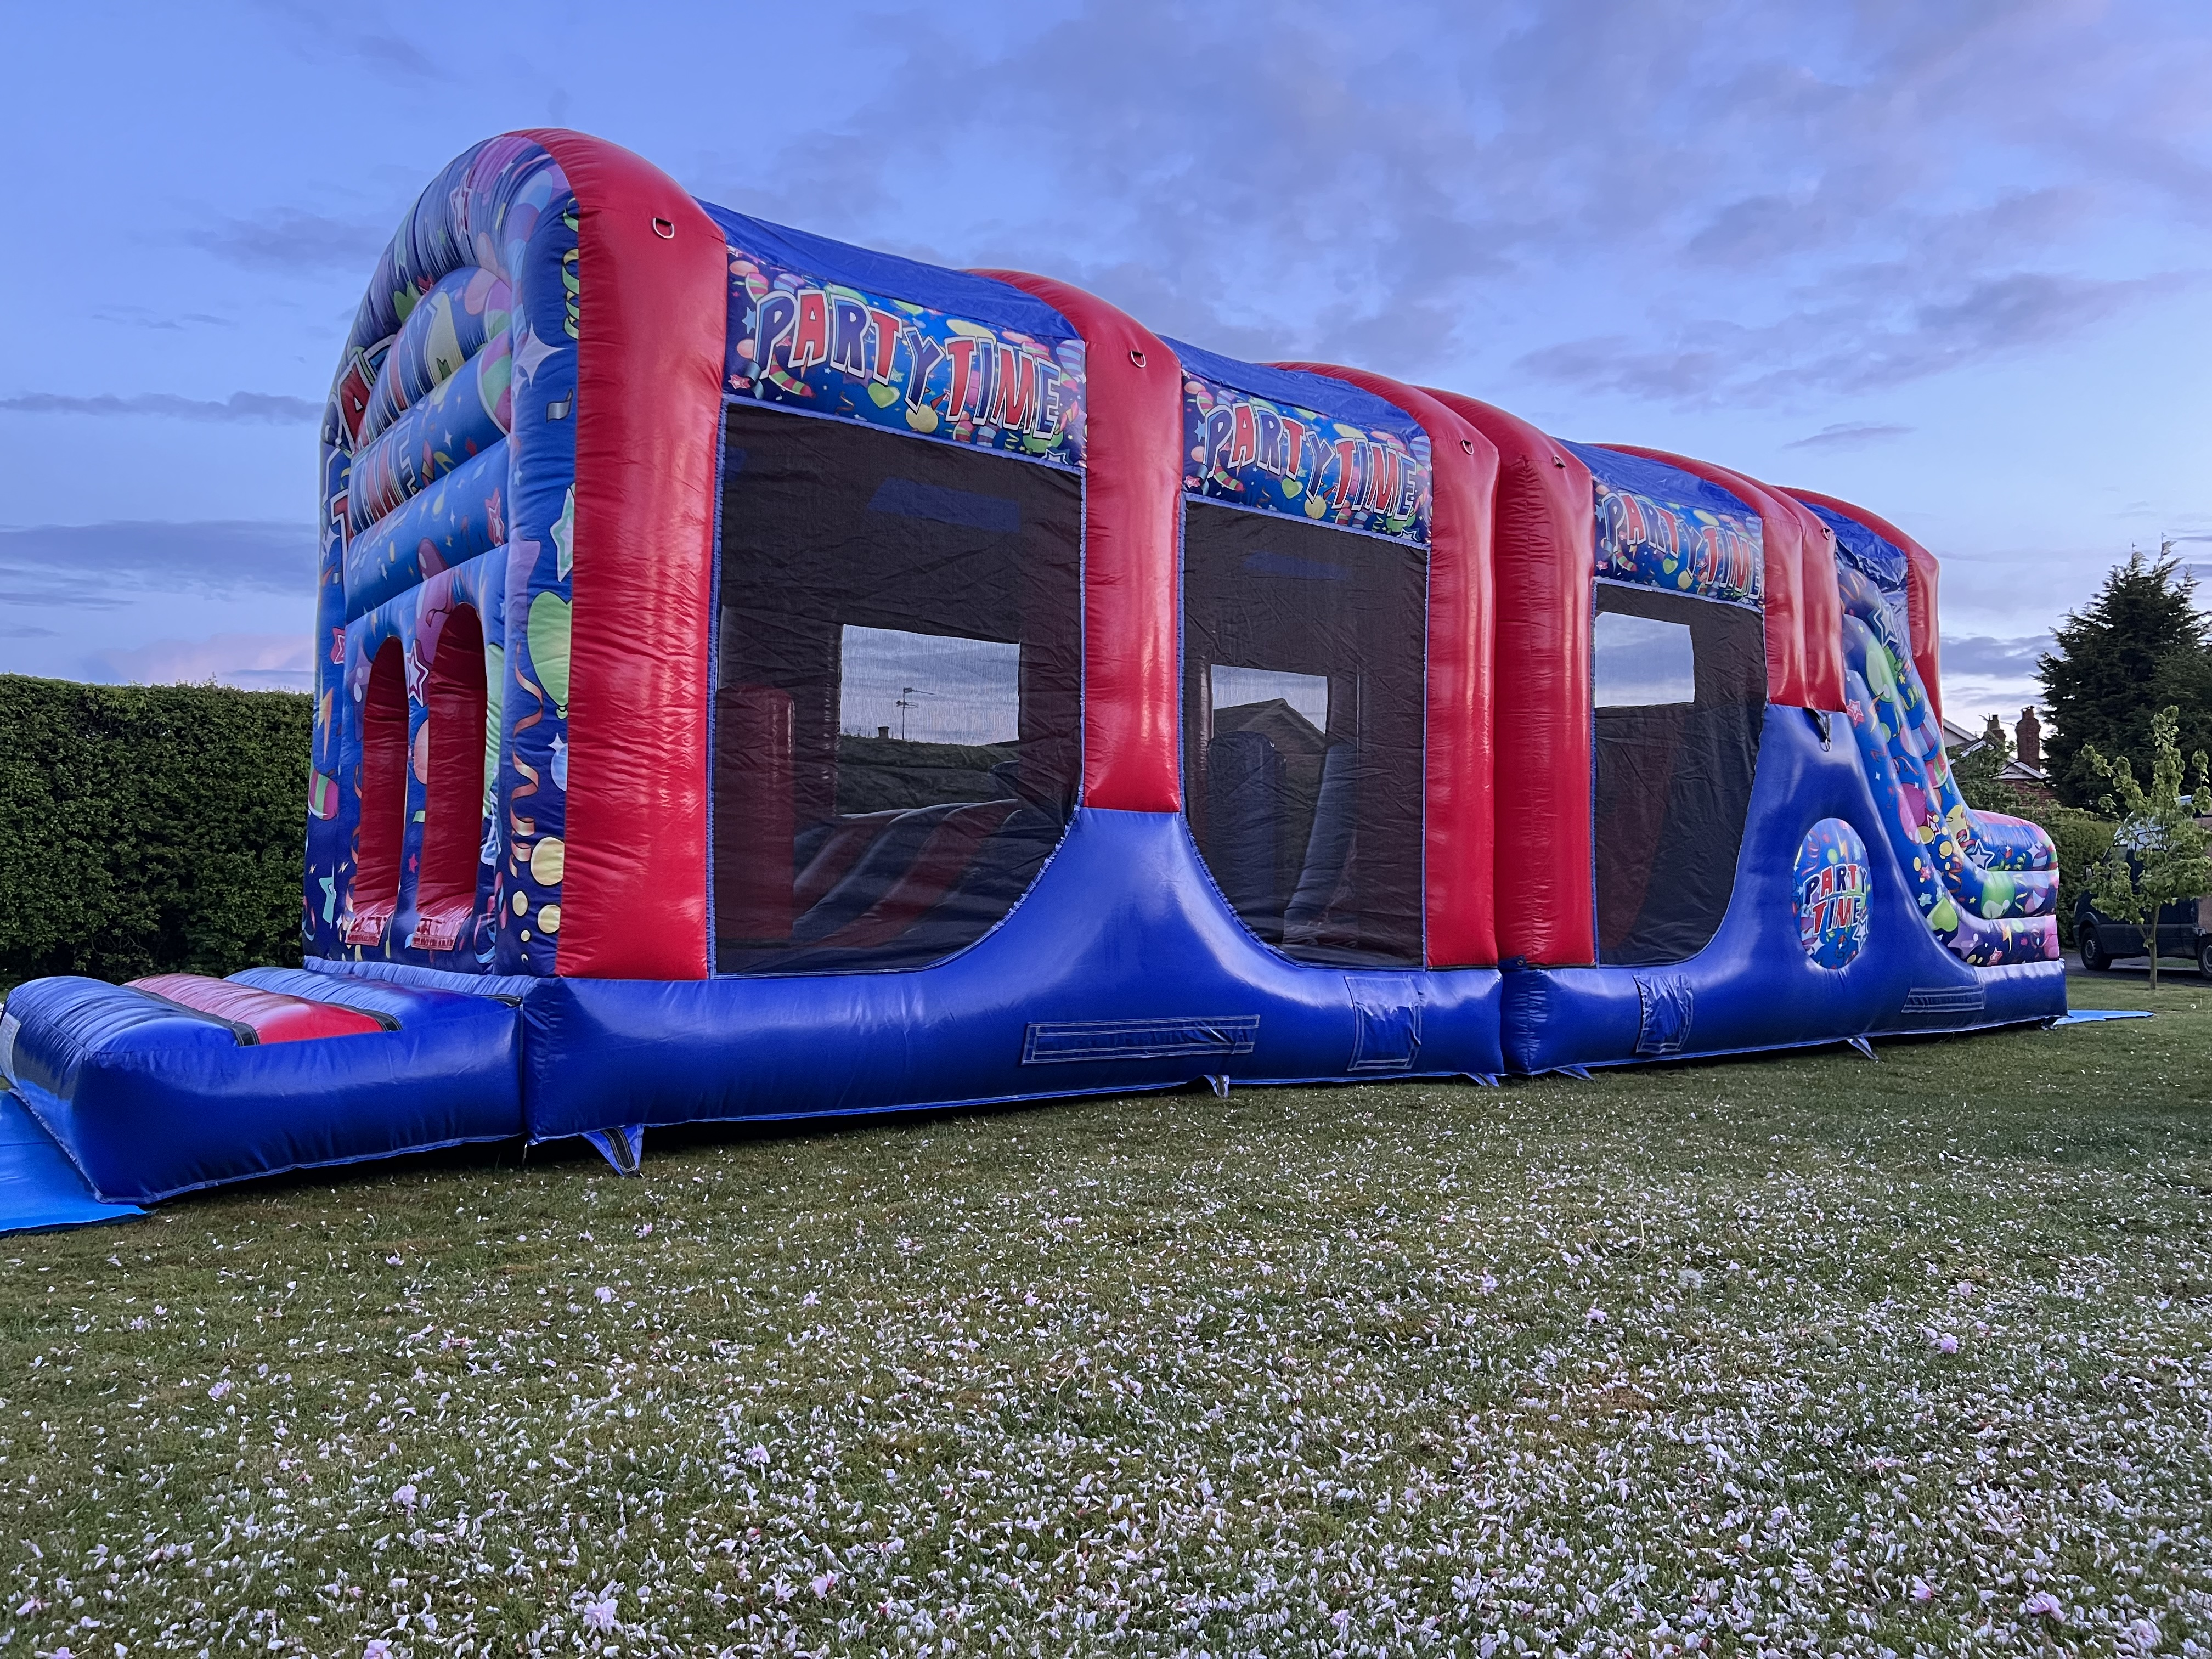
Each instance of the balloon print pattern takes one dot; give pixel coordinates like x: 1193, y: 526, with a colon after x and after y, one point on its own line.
x: 1987, y: 884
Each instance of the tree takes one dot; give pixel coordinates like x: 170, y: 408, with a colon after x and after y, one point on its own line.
x: 2139, y: 646
x: 1978, y: 774
x: 2159, y: 854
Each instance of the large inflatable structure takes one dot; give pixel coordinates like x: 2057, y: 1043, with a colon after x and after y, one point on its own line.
x: 761, y: 677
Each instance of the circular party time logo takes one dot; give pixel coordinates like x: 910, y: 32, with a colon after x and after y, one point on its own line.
x: 1834, y: 887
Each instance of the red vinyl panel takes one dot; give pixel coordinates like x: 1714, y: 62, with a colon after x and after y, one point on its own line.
x: 1822, y: 597
x: 1458, y: 795
x: 383, y: 825
x: 655, y: 312
x: 1542, y: 557
x: 270, y: 1015
x: 1791, y: 678
x: 1921, y: 617
x: 1920, y: 608
x: 455, y: 698
x: 1132, y: 541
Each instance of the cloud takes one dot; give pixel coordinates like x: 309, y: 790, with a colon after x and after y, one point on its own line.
x: 1849, y: 435
x: 172, y: 322
x: 291, y: 240
x: 398, y: 58
x: 267, y: 406
x: 257, y: 662
x: 1765, y: 205
x: 1858, y: 339
x: 324, y: 33
x: 1979, y: 656
x: 98, y: 566
x: 26, y: 631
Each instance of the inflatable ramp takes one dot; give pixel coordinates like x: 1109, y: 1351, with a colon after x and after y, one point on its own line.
x: 179, y: 1081
x: 761, y: 677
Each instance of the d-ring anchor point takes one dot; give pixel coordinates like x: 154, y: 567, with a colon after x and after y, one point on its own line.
x: 1137, y: 356
x: 665, y: 229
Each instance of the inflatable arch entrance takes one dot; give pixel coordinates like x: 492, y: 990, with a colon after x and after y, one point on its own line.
x: 761, y: 677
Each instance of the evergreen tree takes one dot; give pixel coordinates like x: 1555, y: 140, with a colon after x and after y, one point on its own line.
x: 2139, y: 646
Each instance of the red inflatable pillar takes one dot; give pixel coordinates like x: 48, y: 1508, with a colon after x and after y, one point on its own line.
x: 654, y: 276
x: 1542, y: 557
x: 1920, y: 608
x: 1132, y: 541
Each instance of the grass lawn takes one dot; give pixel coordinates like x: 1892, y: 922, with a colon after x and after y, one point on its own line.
x: 1803, y: 1353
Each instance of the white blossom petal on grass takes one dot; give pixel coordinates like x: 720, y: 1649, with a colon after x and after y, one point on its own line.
x: 2042, y: 1605
x: 605, y: 1293
x: 377, y: 1648
x: 1242, y: 1382
x: 219, y: 1389
x: 406, y: 1497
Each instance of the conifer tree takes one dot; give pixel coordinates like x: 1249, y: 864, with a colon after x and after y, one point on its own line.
x: 2139, y: 646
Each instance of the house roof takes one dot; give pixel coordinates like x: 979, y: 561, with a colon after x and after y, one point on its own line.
x: 1958, y: 742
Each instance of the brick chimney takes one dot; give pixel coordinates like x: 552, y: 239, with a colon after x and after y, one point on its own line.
x: 2027, y: 740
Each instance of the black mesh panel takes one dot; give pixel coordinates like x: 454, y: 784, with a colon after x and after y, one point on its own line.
x: 897, y: 699
x: 1674, y: 772
x: 1303, y: 708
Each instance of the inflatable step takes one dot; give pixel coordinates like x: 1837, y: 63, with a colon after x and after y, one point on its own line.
x: 180, y: 1082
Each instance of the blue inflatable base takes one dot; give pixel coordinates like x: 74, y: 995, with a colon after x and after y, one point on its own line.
x: 41, y: 1190
x: 1123, y: 971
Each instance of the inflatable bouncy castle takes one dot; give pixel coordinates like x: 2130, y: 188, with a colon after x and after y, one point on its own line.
x: 763, y: 678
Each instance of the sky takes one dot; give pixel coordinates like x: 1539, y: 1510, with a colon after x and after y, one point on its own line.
x: 1948, y: 259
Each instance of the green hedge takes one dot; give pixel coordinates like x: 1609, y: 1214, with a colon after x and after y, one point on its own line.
x: 150, y: 828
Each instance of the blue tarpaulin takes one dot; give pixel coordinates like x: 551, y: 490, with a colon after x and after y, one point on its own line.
x: 39, y: 1187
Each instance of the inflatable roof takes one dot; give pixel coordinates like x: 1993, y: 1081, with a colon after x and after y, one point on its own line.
x: 761, y: 677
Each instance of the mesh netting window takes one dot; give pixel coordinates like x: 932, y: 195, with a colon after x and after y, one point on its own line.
x: 1302, y: 701
x: 897, y: 699
x: 454, y: 799
x: 1680, y: 687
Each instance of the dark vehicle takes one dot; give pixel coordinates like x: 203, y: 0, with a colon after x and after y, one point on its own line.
x: 2185, y: 929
